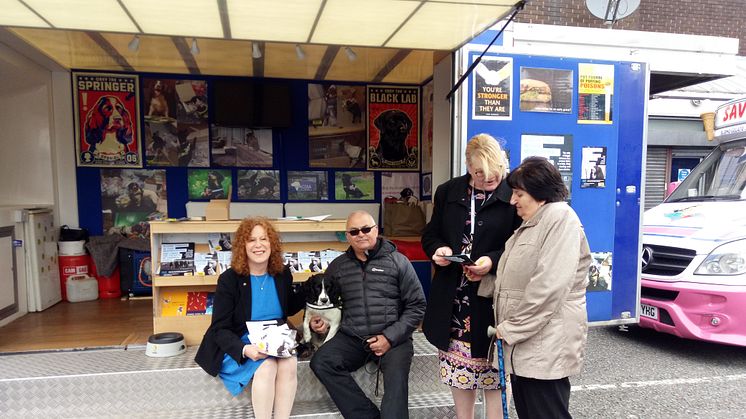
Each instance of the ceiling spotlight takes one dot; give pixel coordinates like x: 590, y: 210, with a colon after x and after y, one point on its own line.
x: 299, y: 52
x: 195, y: 47
x: 134, y: 44
x: 350, y: 54
x: 255, y: 51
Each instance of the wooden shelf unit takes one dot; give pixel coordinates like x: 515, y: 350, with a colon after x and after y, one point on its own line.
x: 300, y: 235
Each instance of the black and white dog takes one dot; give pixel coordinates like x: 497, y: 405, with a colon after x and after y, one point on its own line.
x: 323, y: 299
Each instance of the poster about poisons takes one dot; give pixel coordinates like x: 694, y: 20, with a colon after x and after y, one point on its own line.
x: 595, y: 93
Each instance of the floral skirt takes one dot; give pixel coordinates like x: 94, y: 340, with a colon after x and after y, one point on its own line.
x: 459, y: 370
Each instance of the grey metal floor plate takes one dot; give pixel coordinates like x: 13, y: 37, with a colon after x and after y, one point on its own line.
x: 126, y: 383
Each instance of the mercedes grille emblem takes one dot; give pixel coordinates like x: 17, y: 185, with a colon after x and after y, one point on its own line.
x: 647, y: 257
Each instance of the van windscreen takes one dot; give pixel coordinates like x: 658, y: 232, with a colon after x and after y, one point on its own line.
x: 720, y: 176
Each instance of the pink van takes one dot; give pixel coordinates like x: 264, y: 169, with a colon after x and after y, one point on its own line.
x: 694, y: 244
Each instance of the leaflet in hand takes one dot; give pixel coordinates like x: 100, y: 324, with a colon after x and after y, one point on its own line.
x: 278, y: 341
x: 460, y: 258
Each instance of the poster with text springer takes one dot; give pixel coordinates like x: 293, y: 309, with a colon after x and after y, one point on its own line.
x: 107, y: 114
x: 492, y: 88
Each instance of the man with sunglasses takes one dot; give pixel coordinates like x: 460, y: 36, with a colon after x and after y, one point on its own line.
x: 382, y: 304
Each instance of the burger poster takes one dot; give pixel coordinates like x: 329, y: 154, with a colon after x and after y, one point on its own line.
x: 546, y: 90
x: 492, y: 88
x: 107, y: 113
x: 595, y: 93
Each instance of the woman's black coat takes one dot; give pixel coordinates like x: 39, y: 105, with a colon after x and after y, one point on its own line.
x: 495, y: 222
x: 231, y: 311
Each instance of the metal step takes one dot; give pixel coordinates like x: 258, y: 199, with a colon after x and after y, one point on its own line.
x: 106, y: 383
x: 421, y: 406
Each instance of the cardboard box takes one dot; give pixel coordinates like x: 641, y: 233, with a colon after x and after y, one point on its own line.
x: 218, y: 210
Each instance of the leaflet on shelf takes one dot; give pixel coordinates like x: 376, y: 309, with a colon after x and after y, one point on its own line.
x: 199, y: 303
x: 224, y: 260
x: 173, y: 303
x: 177, y: 259
x: 205, y: 264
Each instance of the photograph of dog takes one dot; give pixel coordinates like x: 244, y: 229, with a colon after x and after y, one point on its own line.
x: 354, y: 185
x: 323, y: 299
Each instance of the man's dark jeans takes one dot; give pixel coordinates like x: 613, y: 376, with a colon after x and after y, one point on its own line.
x: 334, y: 362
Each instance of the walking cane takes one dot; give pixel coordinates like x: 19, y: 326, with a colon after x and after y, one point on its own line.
x: 491, y: 331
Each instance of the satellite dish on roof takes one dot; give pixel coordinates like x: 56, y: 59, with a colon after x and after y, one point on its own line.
x: 612, y: 10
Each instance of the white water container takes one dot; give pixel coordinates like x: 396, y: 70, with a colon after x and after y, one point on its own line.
x: 81, y: 288
x: 74, y: 248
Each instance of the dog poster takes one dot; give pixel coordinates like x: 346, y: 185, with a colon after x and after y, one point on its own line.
x: 354, y: 186
x: 595, y: 93
x: 130, y: 198
x: 427, y: 185
x: 400, y: 185
x: 209, y: 184
x: 594, y: 168
x: 492, y: 88
x: 308, y: 185
x: 599, y: 273
x: 393, y: 128
x: 107, y: 113
x: 241, y: 147
x: 336, y: 126
x: 176, y: 132
x: 546, y: 90
x: 262, y: 185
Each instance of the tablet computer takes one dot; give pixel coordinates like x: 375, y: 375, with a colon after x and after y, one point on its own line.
x: 460, y: 258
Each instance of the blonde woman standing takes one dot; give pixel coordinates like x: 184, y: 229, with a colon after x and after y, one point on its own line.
x: 471, y: 214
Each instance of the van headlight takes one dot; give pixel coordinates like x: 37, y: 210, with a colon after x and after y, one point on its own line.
x: 728, y: 259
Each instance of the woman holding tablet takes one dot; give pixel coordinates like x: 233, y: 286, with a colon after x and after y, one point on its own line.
x: 472, y: 218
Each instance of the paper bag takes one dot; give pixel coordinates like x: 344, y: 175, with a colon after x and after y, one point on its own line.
x: 402, y: 220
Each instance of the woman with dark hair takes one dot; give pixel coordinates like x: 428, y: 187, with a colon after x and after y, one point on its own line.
x: 256, y: 287
x: 471, y: 214
x: 540, y: 293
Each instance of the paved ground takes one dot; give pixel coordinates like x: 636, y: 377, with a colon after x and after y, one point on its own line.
x: 644, y: 374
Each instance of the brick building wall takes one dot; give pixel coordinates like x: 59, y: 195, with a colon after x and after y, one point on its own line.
x: 693, y: 17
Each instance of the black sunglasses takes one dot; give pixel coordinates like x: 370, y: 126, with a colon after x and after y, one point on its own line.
x: 355, y: 231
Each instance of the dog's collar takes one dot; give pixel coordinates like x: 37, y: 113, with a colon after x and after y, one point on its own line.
x: 317, y: 307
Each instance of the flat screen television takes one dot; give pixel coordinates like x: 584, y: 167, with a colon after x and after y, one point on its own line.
x: 233, y: 102
x: 252, y: 103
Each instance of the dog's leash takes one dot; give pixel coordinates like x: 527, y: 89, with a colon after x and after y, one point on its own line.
x: 377, y: 371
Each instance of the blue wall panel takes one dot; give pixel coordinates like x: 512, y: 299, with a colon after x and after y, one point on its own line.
x: 609, y: 228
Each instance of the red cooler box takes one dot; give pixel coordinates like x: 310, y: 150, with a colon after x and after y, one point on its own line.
x: 71, y: 266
